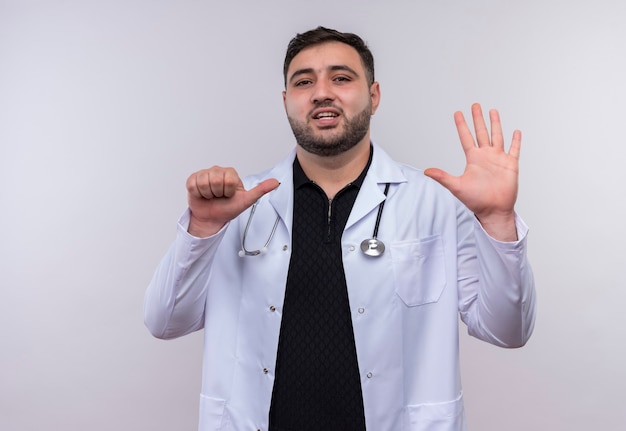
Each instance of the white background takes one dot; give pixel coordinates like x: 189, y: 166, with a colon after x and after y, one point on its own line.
x: 107, y: 106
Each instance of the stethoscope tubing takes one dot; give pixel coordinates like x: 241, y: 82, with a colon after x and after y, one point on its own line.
x: 370, y: 247
x: 380, y: 212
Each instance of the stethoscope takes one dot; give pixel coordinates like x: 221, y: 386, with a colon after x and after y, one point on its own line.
x: 244, y: 251
x: 373, y: 246
x: 370, y: 246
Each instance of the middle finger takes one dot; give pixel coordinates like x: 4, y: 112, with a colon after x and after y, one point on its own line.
x: 482, y: 134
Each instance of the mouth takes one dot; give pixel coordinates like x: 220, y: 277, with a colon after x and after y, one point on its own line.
x: 326, y: 116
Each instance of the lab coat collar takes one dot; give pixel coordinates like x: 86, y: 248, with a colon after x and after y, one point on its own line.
x: 382, y: 170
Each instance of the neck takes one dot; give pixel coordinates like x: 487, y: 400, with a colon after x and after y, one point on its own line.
x: 333, y: 173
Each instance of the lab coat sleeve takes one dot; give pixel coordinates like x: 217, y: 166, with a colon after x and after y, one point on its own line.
x: 496, y: 285
x: 175, y: 300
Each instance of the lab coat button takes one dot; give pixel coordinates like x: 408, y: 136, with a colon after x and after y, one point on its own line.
x: 361, y: 310
x: 285, y: 247
x: 352, y: 248
x: 265, y: 371
x: 369, y: 375
x: 272, y: 308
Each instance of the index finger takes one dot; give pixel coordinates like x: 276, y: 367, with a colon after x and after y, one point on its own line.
x: 465, y: 135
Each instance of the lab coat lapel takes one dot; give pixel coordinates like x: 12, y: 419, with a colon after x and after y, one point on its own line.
x: 382, y: 170
x: 281, y: 199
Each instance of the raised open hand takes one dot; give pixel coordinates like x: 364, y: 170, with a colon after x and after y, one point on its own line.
x: 216, y: 196
x: 488, y: 187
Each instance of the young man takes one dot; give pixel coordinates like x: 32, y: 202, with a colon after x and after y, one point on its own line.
x: 332, y: 304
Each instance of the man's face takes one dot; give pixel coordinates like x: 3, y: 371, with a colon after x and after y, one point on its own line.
x: 328, y: 99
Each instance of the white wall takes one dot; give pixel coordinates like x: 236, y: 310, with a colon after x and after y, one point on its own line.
x: 107, y: 106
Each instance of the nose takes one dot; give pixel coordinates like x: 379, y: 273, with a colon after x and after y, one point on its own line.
x: 322, y: 91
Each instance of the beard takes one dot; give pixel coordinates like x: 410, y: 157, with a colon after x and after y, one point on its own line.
x: 354, y: 131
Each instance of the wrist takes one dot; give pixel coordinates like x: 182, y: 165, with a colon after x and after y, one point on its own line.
x: 203, y: 228
x: 501, y: 227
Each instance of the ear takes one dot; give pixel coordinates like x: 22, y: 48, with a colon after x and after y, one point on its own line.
x: 285, y: 99
x: 375, y: 96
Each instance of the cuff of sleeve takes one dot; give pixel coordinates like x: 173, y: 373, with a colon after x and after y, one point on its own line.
x: 194, y: 244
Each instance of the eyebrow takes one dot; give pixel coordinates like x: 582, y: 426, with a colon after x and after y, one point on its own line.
x: 304, y: 71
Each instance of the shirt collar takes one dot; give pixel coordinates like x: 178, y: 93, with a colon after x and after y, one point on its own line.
x: 300, y: 178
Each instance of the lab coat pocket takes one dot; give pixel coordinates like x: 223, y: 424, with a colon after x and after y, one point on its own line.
x: 419, y: 270
x: 212, y: 416
x: 446, y: 416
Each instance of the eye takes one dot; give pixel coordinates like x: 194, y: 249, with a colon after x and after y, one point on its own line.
x: 302, y: 83
x: 342, y: 79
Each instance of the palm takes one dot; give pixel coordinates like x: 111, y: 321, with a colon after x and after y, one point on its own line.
x: 488, y: 186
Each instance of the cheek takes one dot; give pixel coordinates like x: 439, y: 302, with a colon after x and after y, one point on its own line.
x: 295, y: 108
x: 357, y: 102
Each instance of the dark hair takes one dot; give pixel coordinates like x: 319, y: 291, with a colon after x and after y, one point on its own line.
x: 323, y: 35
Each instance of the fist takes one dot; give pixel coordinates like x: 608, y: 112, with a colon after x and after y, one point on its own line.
x: 217, y: 195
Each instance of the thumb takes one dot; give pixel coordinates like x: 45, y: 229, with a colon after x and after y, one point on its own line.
x: 261, y: 189
x: 442, y: 177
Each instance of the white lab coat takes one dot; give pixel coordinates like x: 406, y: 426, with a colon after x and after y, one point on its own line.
x: 405, y: 304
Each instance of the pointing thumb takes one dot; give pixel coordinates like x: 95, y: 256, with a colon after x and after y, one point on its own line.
x: 262, y: 189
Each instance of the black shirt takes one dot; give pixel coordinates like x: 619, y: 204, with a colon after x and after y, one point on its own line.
x: 317, y: 385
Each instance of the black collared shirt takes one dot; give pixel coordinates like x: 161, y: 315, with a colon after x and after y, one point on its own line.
x: 317, y: 385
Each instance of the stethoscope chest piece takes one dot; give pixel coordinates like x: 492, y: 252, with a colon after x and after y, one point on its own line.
x: 372, y: 247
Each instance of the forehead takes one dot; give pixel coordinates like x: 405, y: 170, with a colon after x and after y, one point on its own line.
x: 320, y: 57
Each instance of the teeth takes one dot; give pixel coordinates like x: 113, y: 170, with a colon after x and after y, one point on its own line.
x: 325, y: 115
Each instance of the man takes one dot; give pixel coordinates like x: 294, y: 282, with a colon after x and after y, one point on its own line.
x: 306, y: 328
